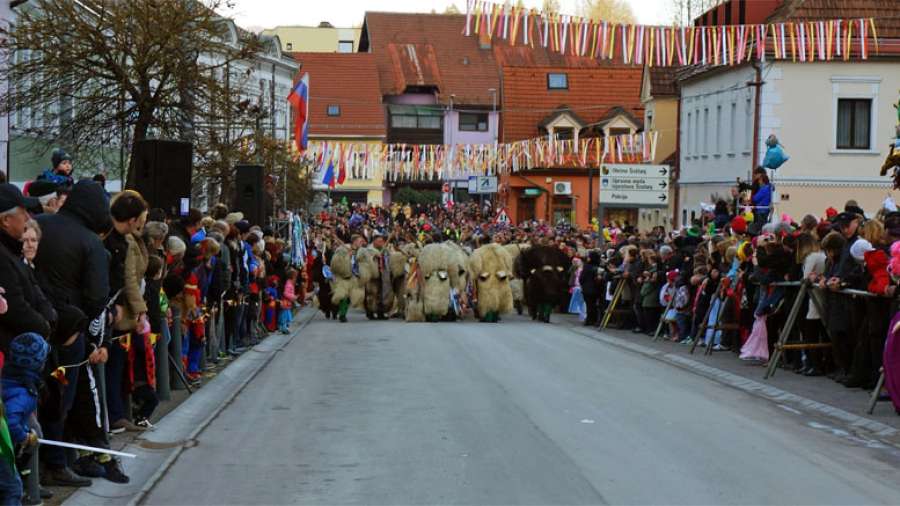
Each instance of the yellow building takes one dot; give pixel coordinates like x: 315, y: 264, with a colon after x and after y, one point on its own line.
x: 324, y: 38
x: 659, y: 95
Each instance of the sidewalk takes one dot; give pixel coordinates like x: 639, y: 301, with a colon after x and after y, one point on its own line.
x: 186, y: 416
x: 816, y: 395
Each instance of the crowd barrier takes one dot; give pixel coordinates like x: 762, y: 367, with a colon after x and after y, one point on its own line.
x: 806, y: 291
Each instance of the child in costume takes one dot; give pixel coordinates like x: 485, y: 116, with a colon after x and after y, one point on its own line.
x: 288, y: 298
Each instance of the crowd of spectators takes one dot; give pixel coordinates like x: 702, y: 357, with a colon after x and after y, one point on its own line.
x: 96, y: 285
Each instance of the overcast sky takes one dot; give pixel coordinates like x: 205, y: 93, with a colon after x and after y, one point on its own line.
x: 269, y: 13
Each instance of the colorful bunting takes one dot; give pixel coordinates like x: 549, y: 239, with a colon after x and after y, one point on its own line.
x: 672, y: 45
x: 429, y: 162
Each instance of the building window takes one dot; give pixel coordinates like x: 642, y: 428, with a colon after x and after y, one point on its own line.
x: 649, y: 122
x: 289, y: 46
x: 334, y: 110
x: 688, y: 147
x: 557, y: 81
x: 854, y: 123
x: 345, y: 46
x: 719, y: 126
x: 473, y: 122
x: 705, y: 132
x: 564, y: 134
x: 408, y: 116
x: 732, y: 130
x: 619, y: 131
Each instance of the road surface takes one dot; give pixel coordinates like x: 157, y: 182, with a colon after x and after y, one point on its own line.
x: 509, y: 413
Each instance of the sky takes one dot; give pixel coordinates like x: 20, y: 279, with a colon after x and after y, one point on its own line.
x: 254, y: 14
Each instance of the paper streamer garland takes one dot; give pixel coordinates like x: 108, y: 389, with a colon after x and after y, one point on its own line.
x: 431, y: 162
x: 805, y: 41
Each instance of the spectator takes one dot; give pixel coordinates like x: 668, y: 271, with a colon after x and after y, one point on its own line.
x: 21, y: 381
x: 128, y: 262
x: 25, y: 313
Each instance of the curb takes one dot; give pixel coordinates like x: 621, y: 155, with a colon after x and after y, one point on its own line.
x: 178, y: 415
x: 755, y: 388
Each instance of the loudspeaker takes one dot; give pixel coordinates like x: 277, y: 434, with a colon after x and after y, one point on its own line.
x: 249, y: 192
x: 163, y: 173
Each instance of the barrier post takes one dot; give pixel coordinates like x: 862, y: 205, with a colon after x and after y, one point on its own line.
x: 718, y: 326
x: 662, y: 317
x: 876, y: 393
x: 162, y: 362
x: 612, y: 304
x: 701, y: 330
x: 786, y: 330
x: 175, y: 345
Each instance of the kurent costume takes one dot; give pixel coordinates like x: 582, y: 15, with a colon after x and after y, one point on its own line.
x: 544, y: 270
x: 490, y: 269
x: 347, y: 288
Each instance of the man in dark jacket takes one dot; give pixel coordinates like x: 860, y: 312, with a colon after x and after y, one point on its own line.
x: 590, y: 287
x: 27, y: 308
x: 73, y: 268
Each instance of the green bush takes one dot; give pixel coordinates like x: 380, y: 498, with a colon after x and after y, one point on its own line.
x: 407, y: 195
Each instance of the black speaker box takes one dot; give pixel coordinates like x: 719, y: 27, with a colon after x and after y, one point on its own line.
x: 163, y: 173
x: 249, y: 190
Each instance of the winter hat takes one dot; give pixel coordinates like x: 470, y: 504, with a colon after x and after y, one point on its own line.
x: 243, y: 226
x: 739, y: 225
x: 59, y: 156
x: 859, y: 248
x: 831, y: 213
x: 28, y: 352
x: 233, y: 218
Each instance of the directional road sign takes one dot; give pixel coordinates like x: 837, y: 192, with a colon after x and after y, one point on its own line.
x: 634, y: 184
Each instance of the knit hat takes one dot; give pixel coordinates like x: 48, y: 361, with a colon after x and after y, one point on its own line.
x: 243, y: 226
x: 859, y: 248
x: 233, y: 218
x: 739, y: 225
x: 831, y: 213
x: 59, y: 156
x: 28, y: 352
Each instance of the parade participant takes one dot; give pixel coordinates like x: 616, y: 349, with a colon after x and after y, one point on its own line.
x: 490, y: 268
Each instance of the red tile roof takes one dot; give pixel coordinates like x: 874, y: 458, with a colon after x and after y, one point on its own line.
x: 346, y: 80
x: 592, y: 93
x: 885, y: 12
x: 443, y: 56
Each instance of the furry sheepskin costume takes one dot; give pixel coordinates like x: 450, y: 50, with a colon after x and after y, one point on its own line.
x: 345, y: 284
x: 490, y: 268
x: 545, y: 272
x: 516, y: 284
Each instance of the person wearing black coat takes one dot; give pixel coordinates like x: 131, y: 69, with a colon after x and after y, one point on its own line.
x: 28, y: 310
x: 72, y: 267
x: 590, y: 287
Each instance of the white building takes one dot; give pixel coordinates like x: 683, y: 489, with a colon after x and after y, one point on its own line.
x: 266, y: 80
x: 834, y: 118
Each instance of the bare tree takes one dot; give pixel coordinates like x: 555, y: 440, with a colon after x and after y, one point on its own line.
x: 114, y: 72
x: 608, y: 10
x: 685, y: 11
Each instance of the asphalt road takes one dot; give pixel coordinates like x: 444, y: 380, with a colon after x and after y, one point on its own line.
x: 509, y: 413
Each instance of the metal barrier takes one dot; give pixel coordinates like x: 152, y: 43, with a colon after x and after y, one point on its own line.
x: 611, y: 308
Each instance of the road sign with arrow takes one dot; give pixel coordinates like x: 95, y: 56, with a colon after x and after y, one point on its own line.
x: 634, y: 184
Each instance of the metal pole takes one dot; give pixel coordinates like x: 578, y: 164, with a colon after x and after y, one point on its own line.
x: 162, y: 362
x: 175, y: 344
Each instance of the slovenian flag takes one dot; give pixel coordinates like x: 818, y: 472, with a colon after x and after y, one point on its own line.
x: 299, y: 98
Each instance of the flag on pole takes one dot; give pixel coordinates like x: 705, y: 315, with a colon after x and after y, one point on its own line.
x: 299, y: 98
